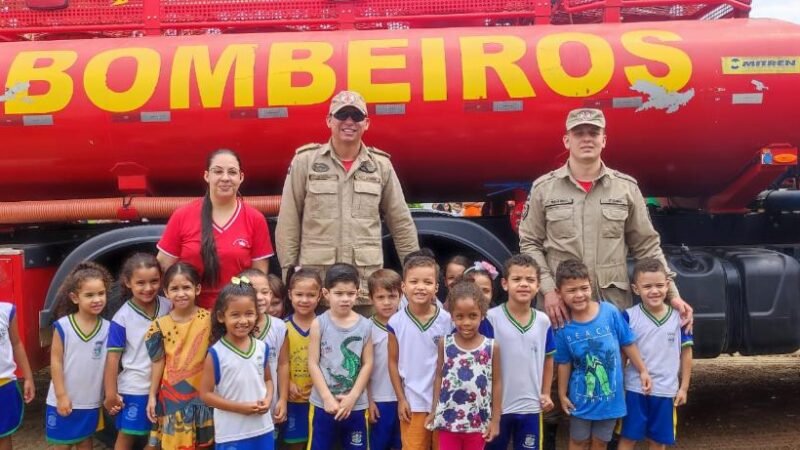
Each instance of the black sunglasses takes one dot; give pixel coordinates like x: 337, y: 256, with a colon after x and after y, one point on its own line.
x: 344, y: 114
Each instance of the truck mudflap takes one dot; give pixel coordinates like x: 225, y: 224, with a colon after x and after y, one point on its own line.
x: 745, y: 299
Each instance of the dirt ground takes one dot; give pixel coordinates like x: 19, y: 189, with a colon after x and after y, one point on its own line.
x: 734, y: 403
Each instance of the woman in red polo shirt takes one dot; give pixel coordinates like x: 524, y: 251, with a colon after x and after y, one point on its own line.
x: 218, y: 234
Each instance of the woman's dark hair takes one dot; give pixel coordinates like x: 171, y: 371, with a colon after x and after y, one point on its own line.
x: 208, y: 247
x: 465, y: 289
x: 180, y: 268
x: 86, y: 270
x: 231, y: 290
x: 136, y: 261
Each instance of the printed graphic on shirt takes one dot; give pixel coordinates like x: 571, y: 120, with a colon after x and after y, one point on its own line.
x: 594, y: 362
x: 351, y: 364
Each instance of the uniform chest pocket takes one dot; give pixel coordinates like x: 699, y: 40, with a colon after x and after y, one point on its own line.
x: 366, y: 199
x: 560, y: 221
x: 322, y: 198
x: 614, y: 218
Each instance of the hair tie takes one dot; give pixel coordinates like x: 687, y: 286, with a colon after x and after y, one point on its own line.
x: 483, y: 266
x: 241, y: 280
x: 297, y: 268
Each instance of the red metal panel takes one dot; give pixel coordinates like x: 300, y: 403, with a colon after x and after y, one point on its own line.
x: 119, y: 18
x: 26, y: 288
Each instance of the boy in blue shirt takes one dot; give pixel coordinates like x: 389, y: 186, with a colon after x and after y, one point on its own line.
x: 590, y: 377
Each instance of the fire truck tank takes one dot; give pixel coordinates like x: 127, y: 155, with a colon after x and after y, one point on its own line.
x: 462, y: 111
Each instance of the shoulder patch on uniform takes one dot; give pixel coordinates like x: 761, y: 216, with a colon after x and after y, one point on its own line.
x: 542, y: 179
x: 307, y: 147
x: 379, y: 152
x: 624, y: 176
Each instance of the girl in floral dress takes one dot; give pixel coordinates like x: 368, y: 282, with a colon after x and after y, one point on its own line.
x: 177, y: 344
x: 464, y: 411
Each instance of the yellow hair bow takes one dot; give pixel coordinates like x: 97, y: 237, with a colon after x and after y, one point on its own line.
x: 239, y: 280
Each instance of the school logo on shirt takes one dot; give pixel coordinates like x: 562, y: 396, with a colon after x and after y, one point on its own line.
x: 357, y: 438
x: 260, y: 364
x: 671, y: 337
x: 273, y: 355
x: 3, y: 336
x: 241, y: 243
x: 436, y: 339
x: 97, y: 350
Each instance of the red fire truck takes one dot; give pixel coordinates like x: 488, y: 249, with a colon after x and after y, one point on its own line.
x: 110, y: 106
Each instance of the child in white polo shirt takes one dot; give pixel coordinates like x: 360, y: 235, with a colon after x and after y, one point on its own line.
x: 666, y: 351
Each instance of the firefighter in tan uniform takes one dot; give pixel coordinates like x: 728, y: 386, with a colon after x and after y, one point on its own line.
x: 585, y: 210
x: 334, y: 197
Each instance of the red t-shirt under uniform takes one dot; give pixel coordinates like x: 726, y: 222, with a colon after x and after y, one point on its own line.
x: 244, y: 239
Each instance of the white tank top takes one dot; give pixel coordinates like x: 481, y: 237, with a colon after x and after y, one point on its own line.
x: 84, y: 363
x: 380, y: 385
x: 239, y: 377
x: 418, y: 350
x: 126, y: 335
x: 273, y: 335
x: 7, y: 364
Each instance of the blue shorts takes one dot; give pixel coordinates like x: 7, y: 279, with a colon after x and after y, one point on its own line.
x: 296, y: 427
x: 13, y: 408
x: 76, y: 427
x: 133, y: 417
x: 264, y: 442
x: 328, y: 433
x: 649, y: 417
x: 524, y: 430
x: 385, y: 433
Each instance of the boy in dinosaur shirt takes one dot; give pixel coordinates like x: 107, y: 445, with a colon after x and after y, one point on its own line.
x: 340, y: 363
x: 590, y: 376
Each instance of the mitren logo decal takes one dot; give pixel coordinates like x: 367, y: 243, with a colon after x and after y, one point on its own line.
x: 736, y: 65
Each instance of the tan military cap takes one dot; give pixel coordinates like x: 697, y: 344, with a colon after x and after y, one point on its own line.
x: 589, y: 116
x: 348, y: 98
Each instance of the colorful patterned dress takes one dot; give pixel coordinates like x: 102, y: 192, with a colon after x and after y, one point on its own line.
x: 184, y: 421
x: 465, y: 398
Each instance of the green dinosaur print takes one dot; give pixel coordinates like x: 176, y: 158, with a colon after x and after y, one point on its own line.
x: 351, y: 364
x: 596, y: 372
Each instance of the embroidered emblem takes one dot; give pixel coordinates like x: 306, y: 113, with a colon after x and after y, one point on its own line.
x: 320, y: 167
x: 368, y: 166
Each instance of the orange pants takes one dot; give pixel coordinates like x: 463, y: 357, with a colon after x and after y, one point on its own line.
x: 415, y: 436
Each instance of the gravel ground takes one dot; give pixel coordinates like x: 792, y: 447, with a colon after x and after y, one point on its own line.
x: 734, y: 403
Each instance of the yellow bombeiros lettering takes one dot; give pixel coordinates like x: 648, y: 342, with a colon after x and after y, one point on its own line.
x: 434, y: 70
x: 571, y: 64
x: 678, y: 63
x: 361, y: 62
x: 211, y: 82
x: 26, y: 69
x: 601, y: 64
x: 475, y: 61
x: 96, y: 76
x: 289, y: 58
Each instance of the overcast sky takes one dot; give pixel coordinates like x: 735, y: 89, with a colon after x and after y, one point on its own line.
x: 780, y: 9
